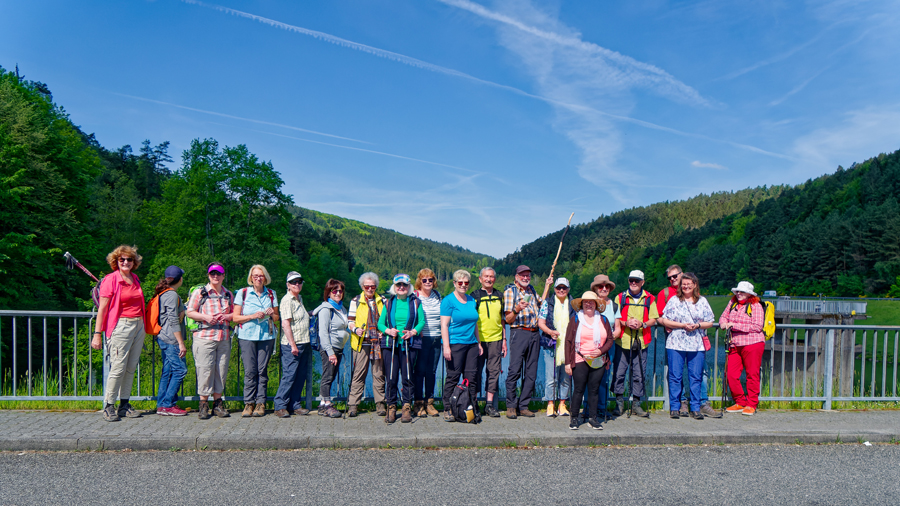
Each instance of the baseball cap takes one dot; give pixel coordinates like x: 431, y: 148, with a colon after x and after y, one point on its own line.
x: 173, y: 271
x: 636, y: 275
x: 522, y: 268
x: 401, y: 278
x: 562, y: 281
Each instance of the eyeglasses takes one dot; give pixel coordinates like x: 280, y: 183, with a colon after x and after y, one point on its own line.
x: 462, y: 283
x: 337, y: 290
x: 295, y: 282
x: 428, y: 280
x: 634, y: 281
x: 673, y: 276
x: 123, y: 260
x: 401, y: 285
x: 369, y: 287
x: 258, y: 276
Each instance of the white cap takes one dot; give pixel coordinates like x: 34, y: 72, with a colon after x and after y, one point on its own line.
x: 561, y: 281
x: 636, y: 275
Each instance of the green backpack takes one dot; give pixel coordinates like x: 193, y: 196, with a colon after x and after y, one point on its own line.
x: 191, y: 324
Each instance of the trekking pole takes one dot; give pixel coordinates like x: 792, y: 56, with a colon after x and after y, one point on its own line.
x: 725, y: 370
x: 71, y: 263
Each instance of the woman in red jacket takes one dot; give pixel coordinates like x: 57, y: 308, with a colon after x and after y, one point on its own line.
x: 745, y: 316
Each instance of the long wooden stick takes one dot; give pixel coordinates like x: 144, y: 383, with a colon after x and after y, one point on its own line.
x: 558, y: 251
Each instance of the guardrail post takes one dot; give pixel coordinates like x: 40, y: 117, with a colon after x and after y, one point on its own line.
x: 829, y: 368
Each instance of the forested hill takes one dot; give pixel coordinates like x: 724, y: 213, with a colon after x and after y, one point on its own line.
x: 60, y: 190
x: 838, y: 234
x: 387, y: 252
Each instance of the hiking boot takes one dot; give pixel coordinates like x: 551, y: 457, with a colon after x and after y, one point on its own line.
x: 110, y: 414
x: 696, y: 415
x: 573, y: 423
x: 321, y: 410
x: 562, y: 411
x: 176, y: 411
x: 203, y: 412
x: 448, y: 416
x: 301, y: 411
x: 595, y: 423
x: 707, y: 410
x: 406, y: 416
x: 380, y: 410
x: 511, y: 413
x: 248, y: 410
x: 127, y: 411
x: 419, y: 409
x: 674, y: 414
x: 259, y: 410
x: 282, y: 413
x: 391, y: 415
x: 332, y: 412
x: 491, y: 411
x: 352, y: 411
x: 430, y: 409
x: 749, y: 411
x: 685, y: 408
x: 620, y: 406
x: 636, y: 410
x: 526, y: 413
x: 551, y: 409
x: 219, y: 408
x: 737, y: 408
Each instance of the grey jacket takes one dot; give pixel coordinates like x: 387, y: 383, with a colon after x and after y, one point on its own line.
x: 170, y: 308
x: 333, y: 333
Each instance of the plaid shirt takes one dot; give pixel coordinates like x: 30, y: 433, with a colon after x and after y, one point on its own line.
x: 216, y: 303
x: 528, y: 317
x: 747, y: 330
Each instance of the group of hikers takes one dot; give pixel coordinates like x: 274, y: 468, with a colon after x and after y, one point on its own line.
x: 399, y: 337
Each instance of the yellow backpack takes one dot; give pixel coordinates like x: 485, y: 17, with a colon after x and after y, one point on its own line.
x: 768, y: 318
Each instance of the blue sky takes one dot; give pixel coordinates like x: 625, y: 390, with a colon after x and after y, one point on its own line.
x: 485, y: 123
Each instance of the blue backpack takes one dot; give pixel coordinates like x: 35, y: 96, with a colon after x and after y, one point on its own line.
x: 314, y: 329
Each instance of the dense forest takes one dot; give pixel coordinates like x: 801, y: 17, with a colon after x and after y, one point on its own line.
x: 836, y: 235
x: 60, y: 190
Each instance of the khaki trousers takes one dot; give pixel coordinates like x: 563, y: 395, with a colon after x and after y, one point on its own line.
x: 358, y: 382
x: 124, y: 351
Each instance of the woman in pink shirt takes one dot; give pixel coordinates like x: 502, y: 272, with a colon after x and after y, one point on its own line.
x: 121, y: 317
x: 588, y: 339
x: 745, y: 316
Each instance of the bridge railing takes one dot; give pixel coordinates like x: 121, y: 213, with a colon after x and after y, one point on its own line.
x: 46, y: 356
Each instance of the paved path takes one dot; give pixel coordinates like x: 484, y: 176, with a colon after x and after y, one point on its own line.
x: 47, y: 430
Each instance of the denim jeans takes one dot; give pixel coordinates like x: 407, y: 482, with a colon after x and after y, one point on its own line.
x: 294, y: 373
x: 704, y: 388
x: 694, y: 368
x: 561, y: 379
x: 174, y: 368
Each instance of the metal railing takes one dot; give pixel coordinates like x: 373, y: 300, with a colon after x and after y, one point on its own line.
x: 794, y: 306
x: 46, y: 356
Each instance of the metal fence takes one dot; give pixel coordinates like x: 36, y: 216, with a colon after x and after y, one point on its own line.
x: 46, y: 356
x: 794, y: 306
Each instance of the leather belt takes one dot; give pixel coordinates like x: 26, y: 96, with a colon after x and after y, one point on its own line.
x: 529, y: 329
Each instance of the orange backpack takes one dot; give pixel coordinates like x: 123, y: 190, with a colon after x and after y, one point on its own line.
x: 151, y: 316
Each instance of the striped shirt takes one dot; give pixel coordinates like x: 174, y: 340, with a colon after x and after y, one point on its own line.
x: 747, y: 330
x: 216, y: 303
x: 432, y: 307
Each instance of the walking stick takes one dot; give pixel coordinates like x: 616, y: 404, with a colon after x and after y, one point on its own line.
x: 725, y: 370
x: 559, y: 250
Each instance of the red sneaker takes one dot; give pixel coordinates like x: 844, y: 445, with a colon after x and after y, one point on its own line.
x: 163, y: 411
x: 176, y: 411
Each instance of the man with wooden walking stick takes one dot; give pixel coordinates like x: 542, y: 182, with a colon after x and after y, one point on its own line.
x: 520, y: 307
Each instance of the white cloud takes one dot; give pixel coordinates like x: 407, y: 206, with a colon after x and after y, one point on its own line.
x: 705, y: 165
x: 862, y: 134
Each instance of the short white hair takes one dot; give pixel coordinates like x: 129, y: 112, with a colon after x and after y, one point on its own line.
x: 485, y: 269
x: 369, y: 275
x: 462, y: 274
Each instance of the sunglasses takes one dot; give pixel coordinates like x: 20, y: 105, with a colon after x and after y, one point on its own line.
x: 428, y: 280
x: 337, y: 291
x: 635, y: 281
x: 295, y: 282
x: 369, y: 287
x: 673, y: 276
x: 401, y: 285
x: 562, y: 287
x: 123, y: 260
x: 605, y: 287
x: 462, y: 283
x: 216, y: 273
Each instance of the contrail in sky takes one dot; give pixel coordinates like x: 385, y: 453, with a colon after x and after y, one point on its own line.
x: 239, y: 118
x: 408, y: 60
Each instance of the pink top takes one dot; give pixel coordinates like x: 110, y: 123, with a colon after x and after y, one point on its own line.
x: 131, y: 301
x: 587, y: 344
x: 112, y: 287
x: 747, y: 330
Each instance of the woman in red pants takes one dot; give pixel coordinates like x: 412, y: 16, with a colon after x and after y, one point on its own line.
x: 745, y: 316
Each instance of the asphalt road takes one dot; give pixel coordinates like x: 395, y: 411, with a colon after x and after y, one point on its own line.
x: 755, y: 474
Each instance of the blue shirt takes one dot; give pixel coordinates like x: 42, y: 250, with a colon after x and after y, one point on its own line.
x: 262, y: 329
x: 463, y: 319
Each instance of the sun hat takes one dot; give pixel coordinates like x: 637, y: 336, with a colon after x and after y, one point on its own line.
x: 294, y: 275
x: 576, y: 304
x: 215, y: 266
x: 602, y: 279
x: 744, y: 286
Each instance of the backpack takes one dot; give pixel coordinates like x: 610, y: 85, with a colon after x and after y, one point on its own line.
x: 623, y: 304
x: 461, y: 405
x: 768, y: 318
x: 154, y: 308
x: 191, y: 324
x: 314, y: 328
